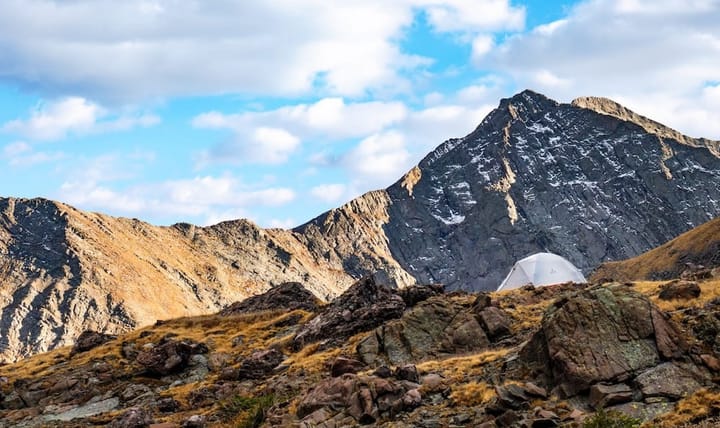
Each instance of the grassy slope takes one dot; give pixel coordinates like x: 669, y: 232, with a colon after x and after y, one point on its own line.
x: 699, y: 245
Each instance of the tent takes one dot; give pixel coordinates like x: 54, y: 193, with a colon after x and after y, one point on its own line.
x: 541, y: 269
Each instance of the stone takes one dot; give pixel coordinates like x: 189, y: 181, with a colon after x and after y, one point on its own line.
x: 412, y: 399
x: 289, y: 296
x: 218, y: 361
x: 88, y: 340
x: 602, y: 395
x: 667, y: 380
x: 361, y: 406
x: 195, y: 421
x: 168, y: 356
x: 419, y: 293
x: 135, y: 417
x: 89, y: 409
x: 711, y: 362
x: 333, y: 393
x: 407, y: 372
x: 342, y: 365
x: 362, y: 307
x: 383, y: 372
x: 433, y: 382
x: 434, y: 328
x: 534, y: 390
x: 168, y: 405
x: 495, y: 322
x: 642, y: 411
x: 260, y: 364
x: 601, y: 334
x: 679, y: 289
x: 511, y: 396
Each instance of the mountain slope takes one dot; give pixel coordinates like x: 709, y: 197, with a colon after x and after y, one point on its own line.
x: 591, y: 181
x: 699, y: 246
x: 63, y: 271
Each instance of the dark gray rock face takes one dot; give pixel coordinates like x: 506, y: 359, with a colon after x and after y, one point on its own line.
x: 537, y: 175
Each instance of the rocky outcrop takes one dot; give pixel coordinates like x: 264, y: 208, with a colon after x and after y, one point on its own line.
x: 679, y: 289
x: 288, y: 295
x: 612, y: 347
x: 434, y: 328
x: 603, y: 334
x: 88, y: 340
x: 364, y: 306
x: 168, y: 356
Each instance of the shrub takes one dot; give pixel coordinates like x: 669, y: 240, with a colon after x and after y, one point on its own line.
x: 603, y: 419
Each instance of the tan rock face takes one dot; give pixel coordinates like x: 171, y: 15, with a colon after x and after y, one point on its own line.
x: 64, y: 271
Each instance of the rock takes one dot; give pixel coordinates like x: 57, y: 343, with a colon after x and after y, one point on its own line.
x: 331, y: 393
x: 383, y: 372
x: 90, y: 408
x: 168, y: 405
x: 343, y: 365
x: 495, y: 322
x: 482, y: 301
x: 412, y: 399
x: 511, y: 396
x: 433, y: 328
x: 419, y: 293
x: 408, y: 372
x: 679, y: 289
x: 534, y: 390
x: 433, y: 382
x: 605, y: 395
x: 361, y: 406
x: 667, y: 380
x: 508, y: 419
x: 195, y: 421
x: 543, y: 423
x: 134, y: 390
x: 364, y: 306
x: 260, y: 364
x: 711, y: 362
x: 135, y: 417
x: 288, y: 296
x: 601, y: 334
x: 164, y: 425
x: 88, y: 340
x: 168, y: 356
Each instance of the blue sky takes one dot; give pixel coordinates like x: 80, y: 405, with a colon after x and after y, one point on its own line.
x: 278, y: 110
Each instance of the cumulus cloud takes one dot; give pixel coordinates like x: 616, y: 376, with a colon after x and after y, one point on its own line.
x: 657, y: 57
x: 106, y: 185
x: 55, y: 120
x: 379, y: 158
x: 159, y: 48
x: 329, y: 193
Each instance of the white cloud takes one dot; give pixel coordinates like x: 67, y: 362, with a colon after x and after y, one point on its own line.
x: 16, y: 148
x: 286, y: 223
x: 329, y: 193
x: 481, y: 45
x: 207, y: 199
x: 379, y: 158
x: 55, y: 120
x: 136, y: 49
x: 657, y: 57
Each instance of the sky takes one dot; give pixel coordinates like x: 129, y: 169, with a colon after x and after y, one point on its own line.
x: 278, y: 110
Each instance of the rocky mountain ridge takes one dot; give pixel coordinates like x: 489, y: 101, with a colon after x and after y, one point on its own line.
x: 591, y: 181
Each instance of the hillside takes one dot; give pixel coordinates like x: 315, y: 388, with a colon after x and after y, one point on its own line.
x: 63, y: 271
x: 410, y: 358
x: 694, y: 251
x: 590, y: 180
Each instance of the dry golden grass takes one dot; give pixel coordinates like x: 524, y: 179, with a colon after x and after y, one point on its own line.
x: 708, y: 290
x: 702, y: 404
x: 664, y: 257
x: 312, y: 360
x: 472, y: 394
x: 459, y: 369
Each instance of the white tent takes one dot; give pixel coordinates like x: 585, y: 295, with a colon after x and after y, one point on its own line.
x: 541, y: 269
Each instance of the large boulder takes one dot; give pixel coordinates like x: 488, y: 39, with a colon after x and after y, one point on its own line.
x: 88, y: 340
x: 260, y: 364
x: 679, y: 289
x: 438, y: 326
x: 362, y: 307
x: 288, y: 295
x: 169, y: 356
x: 602, y: 334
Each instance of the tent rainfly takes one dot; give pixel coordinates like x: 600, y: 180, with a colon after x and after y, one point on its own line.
x: 541, y: 269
